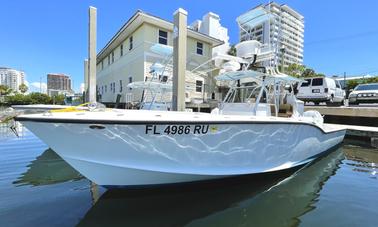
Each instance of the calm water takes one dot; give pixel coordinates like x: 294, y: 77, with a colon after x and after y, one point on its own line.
x: 37, y: 188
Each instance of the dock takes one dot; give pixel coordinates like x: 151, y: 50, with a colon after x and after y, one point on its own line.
x: 366, y: 115
x: 361, y: 122
x: 361, y: 133
x: 346, y: 111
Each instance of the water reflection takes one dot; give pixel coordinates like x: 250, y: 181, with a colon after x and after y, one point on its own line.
x: 7, y: 132
x: 259, y: 201
x: 48, y: 168
x: 362, y: 159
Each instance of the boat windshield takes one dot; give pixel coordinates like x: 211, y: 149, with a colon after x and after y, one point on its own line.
x: 247, y: 92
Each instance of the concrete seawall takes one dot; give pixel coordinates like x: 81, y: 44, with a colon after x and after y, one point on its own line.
x: 361, y: 121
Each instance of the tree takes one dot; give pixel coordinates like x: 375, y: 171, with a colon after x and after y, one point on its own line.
x: 19, y: 99
x: 295, y: 70
x: 23, y: 88
x: 308, y: 73
x: 5, y: 90
x: 39, y: 98
x: 232, y: 50
x: 58, y: 99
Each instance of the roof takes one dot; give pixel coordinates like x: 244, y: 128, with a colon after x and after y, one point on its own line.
x: 138, y: 19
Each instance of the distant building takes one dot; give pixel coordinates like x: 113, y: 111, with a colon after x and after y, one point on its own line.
x: 210, y: 25
x: 284, y: 31
x: 58, y: 83
x: 127, y: 58
x: 12, y: 78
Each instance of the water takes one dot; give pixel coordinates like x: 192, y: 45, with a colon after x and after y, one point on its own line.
x: 37, y: 188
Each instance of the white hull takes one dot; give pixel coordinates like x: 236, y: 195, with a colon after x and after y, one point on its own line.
x: 130, y: 154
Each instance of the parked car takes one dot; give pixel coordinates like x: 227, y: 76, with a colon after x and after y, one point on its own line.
x: 321, y: 89
x: 364, y: 93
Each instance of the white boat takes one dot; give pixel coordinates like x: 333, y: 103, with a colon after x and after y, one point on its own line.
x: 247, y: 135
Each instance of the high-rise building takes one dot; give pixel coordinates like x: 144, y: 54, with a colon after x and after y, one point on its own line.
x: 58, y: 83
x: 12, y: 78
x: 278, y: 25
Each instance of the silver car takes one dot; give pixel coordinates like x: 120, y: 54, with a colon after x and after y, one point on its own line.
x: 364, y: 93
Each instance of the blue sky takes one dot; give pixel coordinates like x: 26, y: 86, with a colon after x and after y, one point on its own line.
x: 51, y: 36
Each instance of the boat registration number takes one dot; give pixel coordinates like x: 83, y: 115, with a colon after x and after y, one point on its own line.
x: 180, y: 129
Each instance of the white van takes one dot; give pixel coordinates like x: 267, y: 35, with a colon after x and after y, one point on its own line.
x: 321, y: 89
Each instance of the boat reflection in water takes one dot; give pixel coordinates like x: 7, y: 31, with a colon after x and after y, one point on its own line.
x: 47, y: 169
x: 258, y: 201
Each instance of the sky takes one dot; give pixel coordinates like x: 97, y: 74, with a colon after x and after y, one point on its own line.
x: 41, y: 37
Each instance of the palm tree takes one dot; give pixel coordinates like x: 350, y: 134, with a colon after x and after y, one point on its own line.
x: 5, y: 90
x: 23, y: 88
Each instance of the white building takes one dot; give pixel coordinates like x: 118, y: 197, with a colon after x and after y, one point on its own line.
x: 282, y: 28
x: 211, y: 26
x: 127, y: 58
x: 11, y: 78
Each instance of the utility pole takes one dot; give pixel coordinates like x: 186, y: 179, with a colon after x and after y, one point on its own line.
x: 345, y: 85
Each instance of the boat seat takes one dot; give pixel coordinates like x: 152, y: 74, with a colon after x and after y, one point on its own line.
x: 284, y: 110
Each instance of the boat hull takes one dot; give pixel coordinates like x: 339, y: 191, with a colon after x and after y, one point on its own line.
x: 136, y: 154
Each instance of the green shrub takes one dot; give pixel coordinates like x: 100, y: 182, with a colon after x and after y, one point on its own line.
x: 33, y: 98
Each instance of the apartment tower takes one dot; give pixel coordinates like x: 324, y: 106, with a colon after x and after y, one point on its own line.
x: 284, y: 31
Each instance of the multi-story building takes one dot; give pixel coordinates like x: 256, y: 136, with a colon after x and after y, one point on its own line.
x: 283, y: 31
x: 58, y: 83
x: 127, y: 58
x: 210, y: 25
x: 12, y: 78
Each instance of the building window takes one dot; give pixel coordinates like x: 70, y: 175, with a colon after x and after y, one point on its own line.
x: 130, y: 43
x: 199, y: 84
x: 120, y: 86
x: 121, y: 50
x: 102, y: 64
x: 108, y: 59
x: 114, y: 87
x: 112, y: 57
x: 199, y: 48
x: 163, y: 37
x: 106, y: 88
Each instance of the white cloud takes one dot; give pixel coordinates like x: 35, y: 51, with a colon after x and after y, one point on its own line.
x: 38, y: 87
